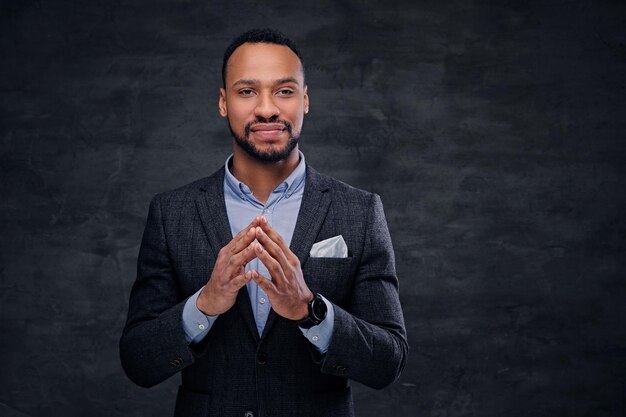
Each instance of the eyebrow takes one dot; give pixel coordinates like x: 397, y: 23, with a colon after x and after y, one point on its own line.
x: 287, y: 80
x: 277, y: 82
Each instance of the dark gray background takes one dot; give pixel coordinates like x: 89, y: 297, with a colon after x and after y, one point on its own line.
x: 493, y: 130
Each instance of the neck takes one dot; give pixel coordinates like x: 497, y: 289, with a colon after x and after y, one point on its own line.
x: 262, y: 177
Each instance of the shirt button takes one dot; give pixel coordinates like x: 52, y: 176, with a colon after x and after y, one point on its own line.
x: 248, y: 414
x: 262, y: 300
x: 315, y: 338
x: 202, y: 327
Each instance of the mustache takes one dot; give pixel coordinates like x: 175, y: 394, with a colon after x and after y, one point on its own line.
x: 261, y: 120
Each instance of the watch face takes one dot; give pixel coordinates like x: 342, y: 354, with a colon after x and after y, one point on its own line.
x: 319, y: 308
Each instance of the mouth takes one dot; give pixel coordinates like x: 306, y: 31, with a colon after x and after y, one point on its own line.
x: 268, y: 130
x: 267, y: 127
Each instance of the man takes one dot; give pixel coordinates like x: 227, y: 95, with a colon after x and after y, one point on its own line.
x: 267, y: 285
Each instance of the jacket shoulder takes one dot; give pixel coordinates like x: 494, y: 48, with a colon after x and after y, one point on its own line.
x: 340, y: 189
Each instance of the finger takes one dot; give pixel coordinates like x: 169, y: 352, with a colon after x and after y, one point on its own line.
x: 272, y: 265
x: 245, y: 255
x: 274, y: 236
x: 265, y: 284
x: 240, y: 280
x: 272, y: 247
x: 239, y: 260
x: 226, y: 275
x: 242, y: 239
x: 255, y: 222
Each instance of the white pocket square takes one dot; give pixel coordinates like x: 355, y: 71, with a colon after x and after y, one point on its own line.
x: 334, y: 247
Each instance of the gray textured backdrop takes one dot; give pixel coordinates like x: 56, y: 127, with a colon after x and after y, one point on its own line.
x: 493, y: 131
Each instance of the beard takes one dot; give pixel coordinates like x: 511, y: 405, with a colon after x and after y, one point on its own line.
x: 273, y: 155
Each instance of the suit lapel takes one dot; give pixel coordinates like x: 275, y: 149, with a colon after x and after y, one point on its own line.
x: 313, y: 209
x: 212, y: 211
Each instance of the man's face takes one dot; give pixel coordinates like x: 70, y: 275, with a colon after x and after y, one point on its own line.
x: 264, y: 99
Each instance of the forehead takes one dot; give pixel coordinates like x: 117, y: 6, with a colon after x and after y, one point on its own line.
x: 265, y: 62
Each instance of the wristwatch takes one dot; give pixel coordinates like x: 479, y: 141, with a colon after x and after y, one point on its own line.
x: 317, y: 313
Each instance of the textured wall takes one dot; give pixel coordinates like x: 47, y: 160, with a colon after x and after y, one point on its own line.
x: 494, y: 133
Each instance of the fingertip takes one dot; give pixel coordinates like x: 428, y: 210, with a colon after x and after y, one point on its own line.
x: 254, y: 275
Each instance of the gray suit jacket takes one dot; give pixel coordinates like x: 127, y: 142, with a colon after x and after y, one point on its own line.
x: 235, y: 371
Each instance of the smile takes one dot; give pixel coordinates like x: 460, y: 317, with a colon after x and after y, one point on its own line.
x: 268, y: 127
x: 268, y: 130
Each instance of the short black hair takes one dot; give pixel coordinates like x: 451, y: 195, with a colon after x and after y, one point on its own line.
x: 265, y: 35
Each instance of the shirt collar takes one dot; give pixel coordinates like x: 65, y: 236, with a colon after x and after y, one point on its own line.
x: 291, y: 184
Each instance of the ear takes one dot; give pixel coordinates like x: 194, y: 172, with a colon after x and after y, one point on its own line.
x: 306, y: 99
x: 222, y: 103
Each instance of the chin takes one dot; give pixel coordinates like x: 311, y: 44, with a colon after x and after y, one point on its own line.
x: 267, y: 152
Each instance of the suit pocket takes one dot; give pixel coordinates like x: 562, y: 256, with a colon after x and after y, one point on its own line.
x: 332, y: 277
x: 191, y: 403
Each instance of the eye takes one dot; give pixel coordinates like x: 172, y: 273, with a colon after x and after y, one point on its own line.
x: 284, y: 92
x: 246, y: 92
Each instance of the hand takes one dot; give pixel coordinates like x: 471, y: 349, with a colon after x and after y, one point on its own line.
x: 220, y: 292
x: 287, y: 290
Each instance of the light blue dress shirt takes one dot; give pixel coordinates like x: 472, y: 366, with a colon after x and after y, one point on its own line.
x: 281, y: 212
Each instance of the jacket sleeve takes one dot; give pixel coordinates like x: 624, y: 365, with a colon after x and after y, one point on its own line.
x: 153, y: 345
x: 369, y: 343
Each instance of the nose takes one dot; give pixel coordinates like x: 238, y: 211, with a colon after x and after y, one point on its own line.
x: 266, y: 107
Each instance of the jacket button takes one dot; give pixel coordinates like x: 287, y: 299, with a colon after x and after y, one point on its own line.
x: 340, y: 368
x: 248, y: 414
x: 261, y: 359
x: 176, y: 362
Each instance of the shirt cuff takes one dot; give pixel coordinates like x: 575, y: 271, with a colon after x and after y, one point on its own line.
x: 196, y: 324
x: 321, y: 334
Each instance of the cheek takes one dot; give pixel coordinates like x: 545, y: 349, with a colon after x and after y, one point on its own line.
x: 237, y: 115
x: 296, y: 113
x: 298, y: 121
